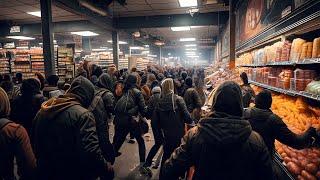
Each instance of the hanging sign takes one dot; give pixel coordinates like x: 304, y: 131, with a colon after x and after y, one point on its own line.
x: 15, y: 29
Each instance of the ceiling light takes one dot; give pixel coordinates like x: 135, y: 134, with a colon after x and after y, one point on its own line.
x: 181, y: 28
x: 120, y: 42
x: 35, y: 13
x: 191, y: 49
x: 193, y: 56
x: 187, y: 39
x: 136, y: 47
x: 190, y: 45
x: 99, y: 49
x: 85, y: 33
x: 190, y: 53
x: 195, y: 27
x: 188, y: 3
x: 20, y: 37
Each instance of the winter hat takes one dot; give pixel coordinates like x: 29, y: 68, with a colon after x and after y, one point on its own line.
x: 167, y: 86
x: 156, y: 90
x: 228, y: 99
x: 105, y: 81
x: 4, y: 104
x: 30, y: 87
x: 130, y: 82
x: 160, y: 76
x: 184, y: 74
x: 83, y: 89
x: 188, y: 81
x: 263, y: 100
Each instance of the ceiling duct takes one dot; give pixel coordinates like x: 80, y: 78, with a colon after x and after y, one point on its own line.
x: 97, y: 6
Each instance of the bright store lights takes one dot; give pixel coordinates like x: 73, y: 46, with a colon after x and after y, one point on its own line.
x: 190, y: 53
x: 188, y: 3
x: 136, y: 47
x: 35, y: 13
x: 191, y: 49
x: 21, y: 37
x: 192, y: 56
x: 99, y: 49
x: 181, y: 28
x: 187, y: 39
x: 120, y: 42
x: 85, y: 33
x: 190, y: 45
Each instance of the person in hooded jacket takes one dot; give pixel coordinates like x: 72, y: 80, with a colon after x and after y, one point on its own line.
x: 223, y: 145
x: 65, y: 140
x: 171, y: 115
x: 247, y: 91
x: 271, y: 127
x: 102, y: 108
x: 130, y: 105
x: 26, y: 106
x: 10, y: 88
x: 192, y: 100
x: 14, y: 143
x: 52, y: 85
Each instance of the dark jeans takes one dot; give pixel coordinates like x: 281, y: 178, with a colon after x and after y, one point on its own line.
x: 170, y: 144
x: 120, y: 135
x: 158, y: 141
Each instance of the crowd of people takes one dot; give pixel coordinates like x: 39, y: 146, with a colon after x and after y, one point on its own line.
x: 60, y: 130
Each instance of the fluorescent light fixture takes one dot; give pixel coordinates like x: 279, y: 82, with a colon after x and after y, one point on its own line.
x: 188, y: 3
x: 190, y: 53
x: 190, y: 45
x: 146, y: 45
x: 192, y: 56
x: 21, y: 37
x: 191, y: 49
x: 99, y: 49
x: 22, y: 47
x: 195, y: 27
x: 135, y: 47
x: 181, y: 28
x: 35, y: 13
x: 187, y: 39
x: 120, y: 42
x: 152, y: 55
x: 85, y: 33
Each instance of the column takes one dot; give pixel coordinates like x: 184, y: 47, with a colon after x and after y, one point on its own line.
x: 47, y: 38
x: 232, y: 35
x: 115, y: 46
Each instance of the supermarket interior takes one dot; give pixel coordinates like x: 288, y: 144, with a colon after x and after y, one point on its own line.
x: 79, y: 81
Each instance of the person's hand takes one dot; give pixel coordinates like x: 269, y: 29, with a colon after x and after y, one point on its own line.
x: 109, y: 167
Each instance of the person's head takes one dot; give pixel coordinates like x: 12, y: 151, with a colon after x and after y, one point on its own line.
x: 105, y: 81
x: 151, y: 77
x: 138, y: 83
x: 184, y: 74
x: 263, y: 100
x: 112, y: 70
x: 30, y: 87
x: 133, y: 69
x: 19, y: 77
x: 160, y: 77
x: 7, y: 77
x: 53, y: 80
x: 83, y: 90
x: 7, y: 86
x: 154, y: 84
x: 156, y: 90
x: 167, y: 86
x: 130, y: 82
x: 4, y: 104
x: 189, y: 82
x: 227, y: 99
x: 41, y: 79
x: 97, y: 71
x: 244, y: 78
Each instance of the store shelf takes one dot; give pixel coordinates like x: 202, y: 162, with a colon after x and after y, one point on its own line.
x: 285, y: 63
x: 287, y: 92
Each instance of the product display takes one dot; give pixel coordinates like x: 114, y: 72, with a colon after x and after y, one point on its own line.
x: 4, y: 63
x: 65, y: 63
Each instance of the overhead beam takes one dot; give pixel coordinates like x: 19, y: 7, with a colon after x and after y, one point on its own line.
x: 202, y: 19
x: 74, y: 7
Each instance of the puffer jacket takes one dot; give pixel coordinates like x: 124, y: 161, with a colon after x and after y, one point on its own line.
x: 64, y: 136
x: 130, y: 104
x: 271, y: 128
x: 192, y: 99
x: 171, y: 115
x: 223, y: 145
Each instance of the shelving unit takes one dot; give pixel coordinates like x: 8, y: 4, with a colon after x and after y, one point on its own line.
x: 287, y: 92
x: 21, y: 63
x: 65, y: 63
x: 4, y: 63
x: 37, y: 62
x: 123, y: 64
x: 285, y: 63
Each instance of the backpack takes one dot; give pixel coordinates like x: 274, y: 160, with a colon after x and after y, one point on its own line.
x: 97, y: 106
x: 4, y: 122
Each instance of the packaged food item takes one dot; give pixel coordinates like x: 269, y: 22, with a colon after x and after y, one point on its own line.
x: 306, y: 51
x: 313, y: 87
x: 316, y: 48
x: 296, y: 49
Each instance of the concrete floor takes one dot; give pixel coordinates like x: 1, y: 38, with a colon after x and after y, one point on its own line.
x: 126, y: 166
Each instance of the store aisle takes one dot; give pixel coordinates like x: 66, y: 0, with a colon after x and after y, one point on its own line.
x: 127, y: 165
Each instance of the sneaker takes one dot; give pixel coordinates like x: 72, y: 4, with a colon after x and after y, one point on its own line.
x: 146, y: 171
x: 131, y: 141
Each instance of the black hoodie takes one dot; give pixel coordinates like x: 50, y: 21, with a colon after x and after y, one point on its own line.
x: 222, y: 146
x: 64, y: 136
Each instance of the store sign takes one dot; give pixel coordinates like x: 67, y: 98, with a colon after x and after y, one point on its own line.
x: 15, y: 29
x: 8, y: 45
